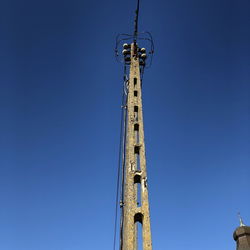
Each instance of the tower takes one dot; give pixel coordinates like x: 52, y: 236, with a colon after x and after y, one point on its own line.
x: 242, y: 236
x: 134, y: 201
x: 136, y: 206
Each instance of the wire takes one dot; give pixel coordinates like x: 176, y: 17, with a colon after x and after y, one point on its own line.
x: 123, y: 153
x: 121, y: 156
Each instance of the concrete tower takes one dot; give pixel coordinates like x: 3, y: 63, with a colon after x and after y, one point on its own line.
x: 136, y: 205
x: 134, y: 186
x: 242, y: 236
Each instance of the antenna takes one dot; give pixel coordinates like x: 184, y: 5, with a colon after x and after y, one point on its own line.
x: 145, y: 52
x: 241, y: 221
x: 136, y: 20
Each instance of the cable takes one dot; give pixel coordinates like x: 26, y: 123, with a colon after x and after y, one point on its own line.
x: 118, y: 178
x: 121, y: 155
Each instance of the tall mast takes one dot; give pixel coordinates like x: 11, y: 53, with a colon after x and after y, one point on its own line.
x: 134, y: 203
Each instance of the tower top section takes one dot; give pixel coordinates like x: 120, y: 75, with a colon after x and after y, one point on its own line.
x: 124, y: 41
x: 136, y: 20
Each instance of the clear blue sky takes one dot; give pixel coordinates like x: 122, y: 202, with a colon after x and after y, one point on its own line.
x: 60, y: 114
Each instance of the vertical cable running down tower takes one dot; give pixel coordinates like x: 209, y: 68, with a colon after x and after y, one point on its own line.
x: 132, y: 182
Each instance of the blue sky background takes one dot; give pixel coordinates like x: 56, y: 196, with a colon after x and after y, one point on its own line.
x: 60, y: 114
